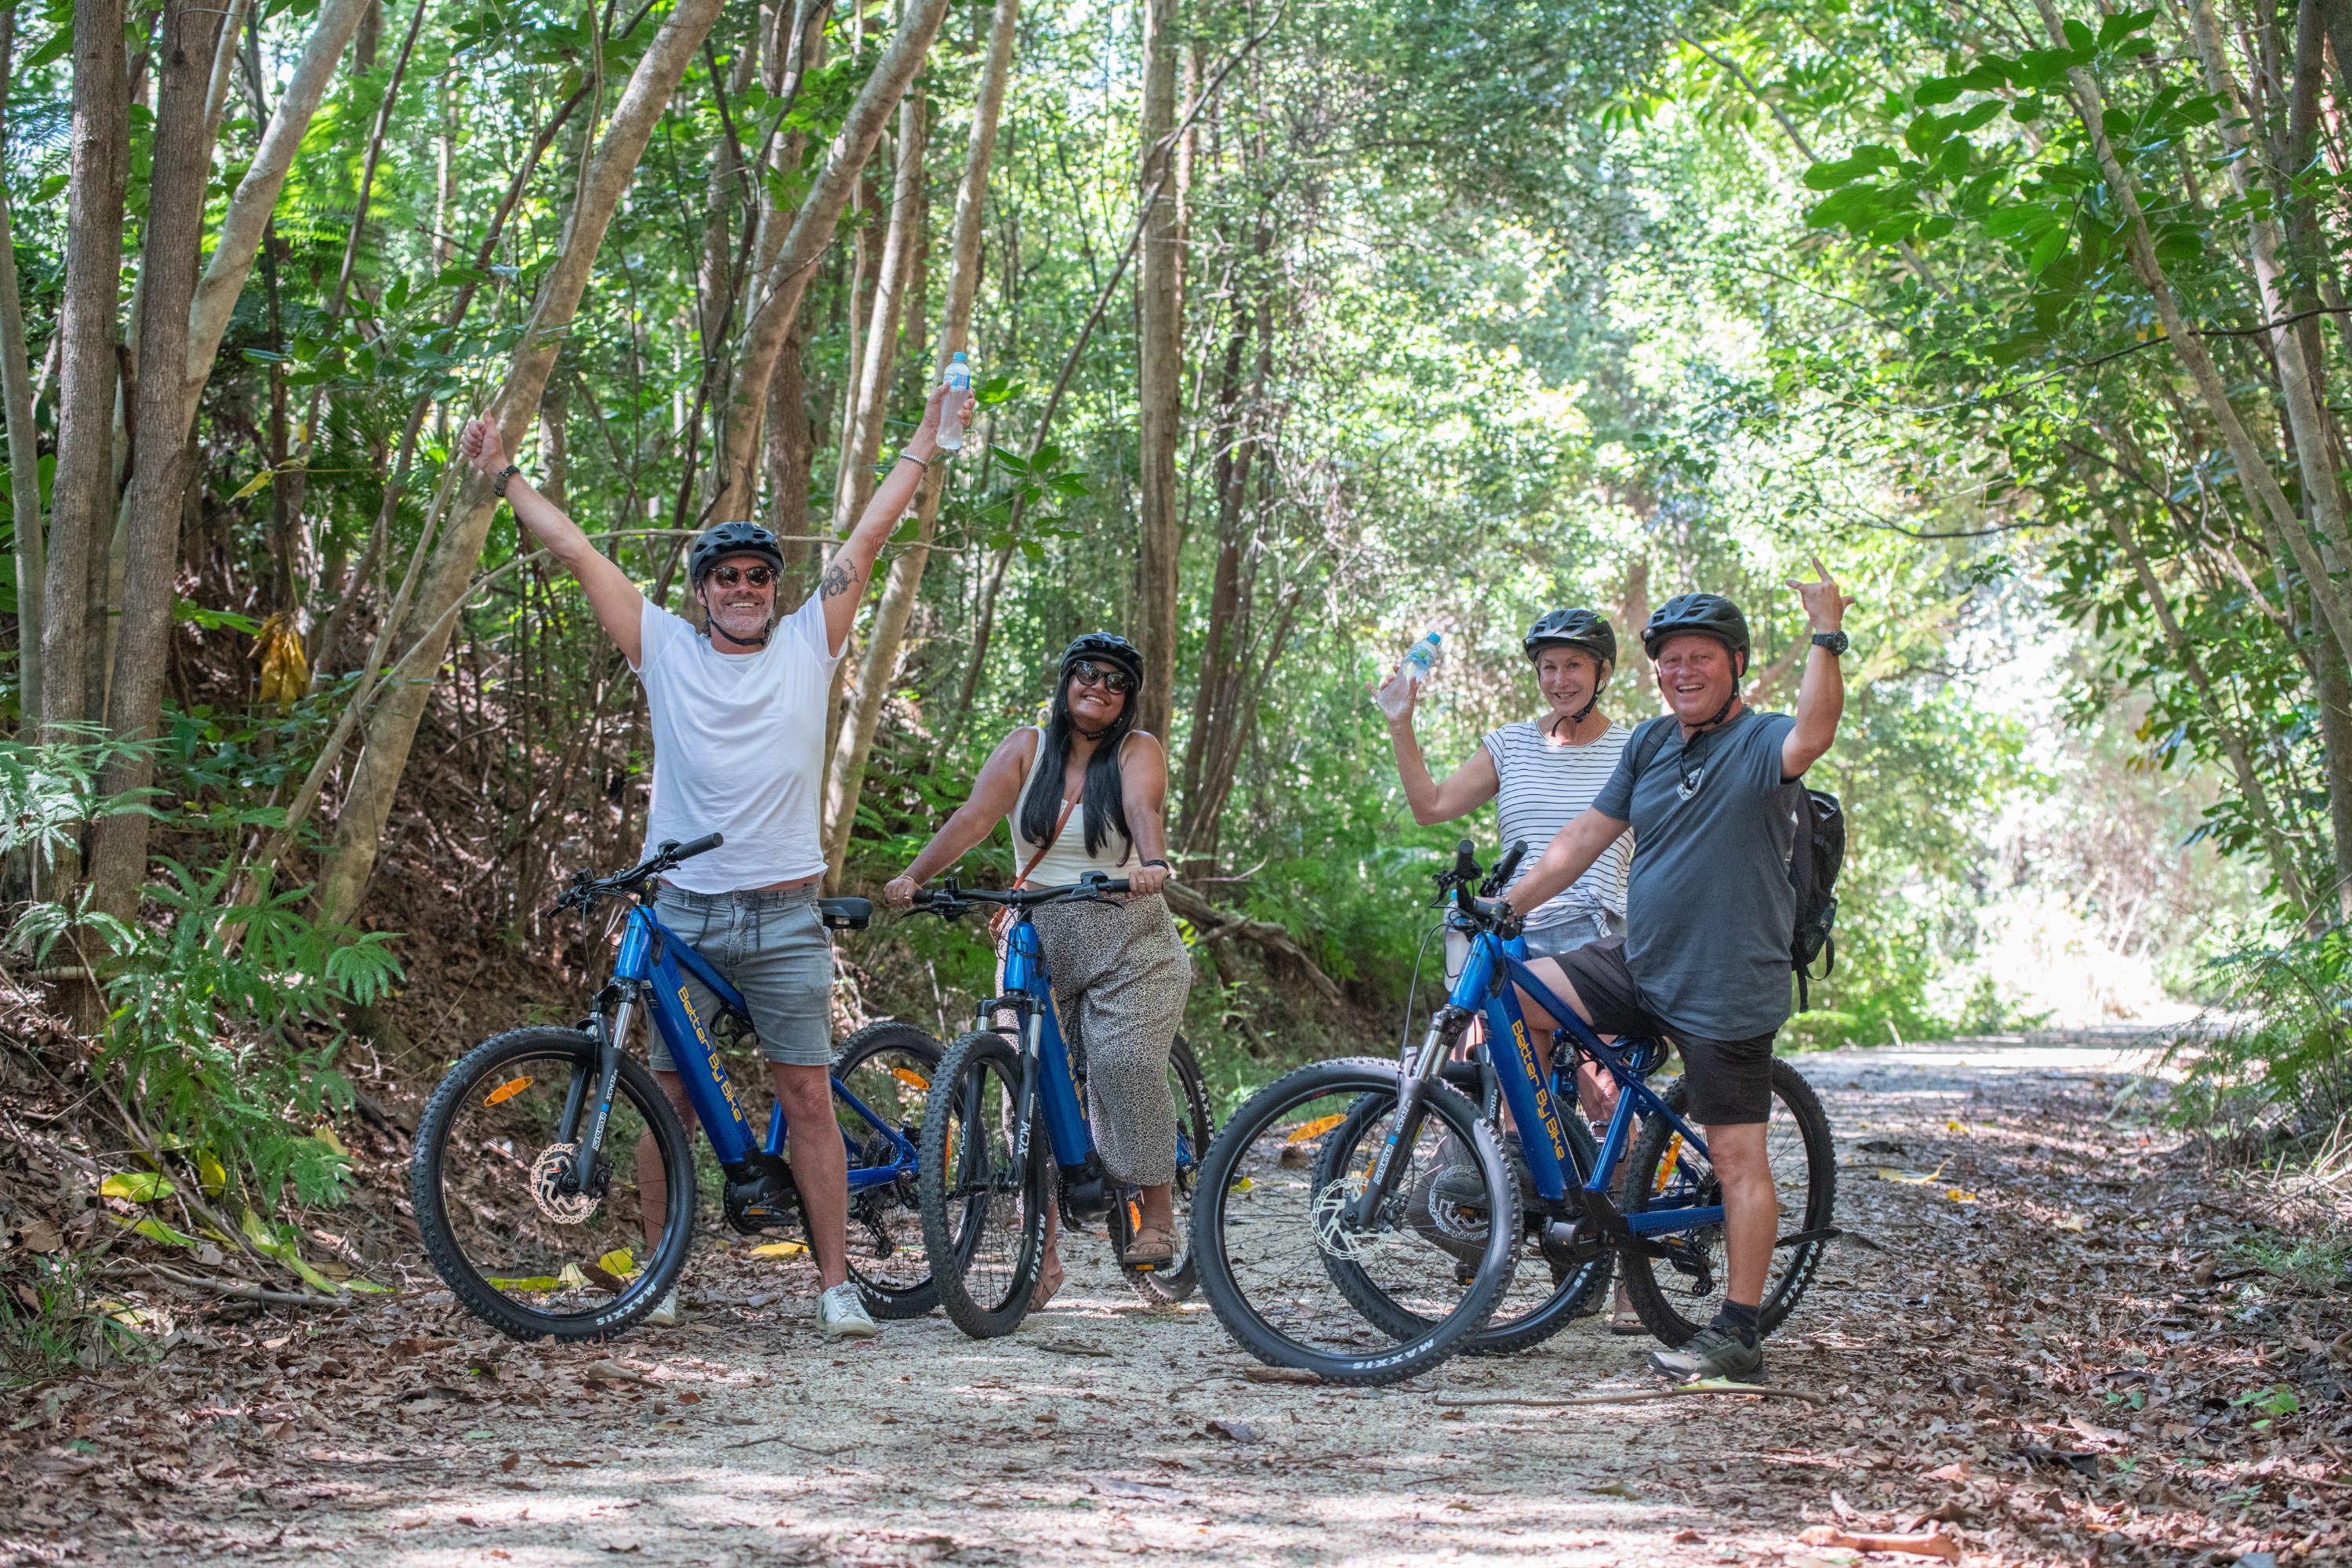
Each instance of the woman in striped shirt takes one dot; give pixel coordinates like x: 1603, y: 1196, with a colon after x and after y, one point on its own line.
x: 1541, y: 773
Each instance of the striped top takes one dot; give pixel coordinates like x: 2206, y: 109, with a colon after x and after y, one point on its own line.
x: 1545, y: 785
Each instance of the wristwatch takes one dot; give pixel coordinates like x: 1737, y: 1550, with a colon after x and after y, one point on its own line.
x: 498, y: 485
x: 1836, y: 642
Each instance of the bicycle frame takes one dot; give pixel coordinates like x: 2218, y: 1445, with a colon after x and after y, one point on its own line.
x: 1049, y: 1080
x: 1493, y: 973
x: 651, y: 968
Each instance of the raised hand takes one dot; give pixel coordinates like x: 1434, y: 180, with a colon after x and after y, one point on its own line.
x: 1825, y: 606
x: 479, y: 445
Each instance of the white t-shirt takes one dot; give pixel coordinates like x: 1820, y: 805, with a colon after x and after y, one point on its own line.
x: 739, y: 748
x: 1547, y: 784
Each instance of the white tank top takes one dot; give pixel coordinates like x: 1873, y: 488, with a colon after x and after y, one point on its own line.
x: 1068, y: 860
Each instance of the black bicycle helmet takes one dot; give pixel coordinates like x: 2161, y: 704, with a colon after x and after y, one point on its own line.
x: 1572, y: 628
x: 1107, y: 648
x: 1711, y: 615
x: 733, y: 539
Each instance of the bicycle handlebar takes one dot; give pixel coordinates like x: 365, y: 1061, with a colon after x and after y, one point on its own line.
x: 1457, y: 883
x: 586, y: 888
x: 952, y: 902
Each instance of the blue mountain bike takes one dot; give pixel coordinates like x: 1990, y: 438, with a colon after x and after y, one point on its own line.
x: 556, y: 1190
x: 1005, y: 1134
x: 1364, y: 1219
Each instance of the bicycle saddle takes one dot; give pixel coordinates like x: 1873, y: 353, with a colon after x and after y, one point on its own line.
x: 846, y: 914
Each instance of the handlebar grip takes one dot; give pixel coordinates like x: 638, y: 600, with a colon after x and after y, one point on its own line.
x: 703, y: 845
x: 1466, y: 858
x: 1508, y: 864
x: 1114, y: 884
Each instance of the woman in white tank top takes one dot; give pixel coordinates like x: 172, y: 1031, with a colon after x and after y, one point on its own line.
x: 1088, y: 793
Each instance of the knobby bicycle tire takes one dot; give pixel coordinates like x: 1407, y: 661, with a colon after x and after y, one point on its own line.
x: 1214, y: 1207
x: 1649, y: 1280
x: 874, y: 1212
x: 1575, y: 1286
x: 1166, y: 1286
x: 973, y: 1187
x: 429, y: 1186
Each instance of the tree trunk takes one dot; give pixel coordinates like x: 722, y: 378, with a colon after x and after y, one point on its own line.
x: 159, y: 480
x: 847, y: 779
x: 392, y: 730
x: 2334, y: 693
x: 792, y: 460
x: 1159, y: 381
x: 23, y: 437
x: 83, y: 494
x: 2253, y: 469
x: 257, y: 196
x: 785, y: 282
x: 871, y: 399
x: 2233, y: 741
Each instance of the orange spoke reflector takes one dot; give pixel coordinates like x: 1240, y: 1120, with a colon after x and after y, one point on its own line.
x: 1317, y: 1128
x: 1673, y: 1156
x: 910, y: 1077
x: 507, y: 1090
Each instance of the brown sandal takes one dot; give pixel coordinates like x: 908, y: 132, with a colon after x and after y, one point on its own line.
x: 1625, y: 1322
x: 1049, y: 1284
x: 1160, y: 1247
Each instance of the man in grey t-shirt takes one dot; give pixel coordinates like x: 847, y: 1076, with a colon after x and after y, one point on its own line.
x: 1709, y: 911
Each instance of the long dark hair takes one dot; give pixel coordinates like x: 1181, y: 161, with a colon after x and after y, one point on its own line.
x: 1104, y: 799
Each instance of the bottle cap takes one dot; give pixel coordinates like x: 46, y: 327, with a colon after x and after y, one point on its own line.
x: 958, y: 354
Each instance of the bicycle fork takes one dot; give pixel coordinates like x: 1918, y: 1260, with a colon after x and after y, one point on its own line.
x: 1413, y: 1095
x: 610, y: 1033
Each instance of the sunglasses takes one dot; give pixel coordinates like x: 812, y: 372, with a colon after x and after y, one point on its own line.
x: 1087, y: 673
x: 727, y: 576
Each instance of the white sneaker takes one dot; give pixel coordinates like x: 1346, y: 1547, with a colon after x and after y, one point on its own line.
x: 664, y: 1314
x: 841, y: 1314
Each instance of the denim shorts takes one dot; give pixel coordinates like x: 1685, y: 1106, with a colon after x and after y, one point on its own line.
x: 772, y: 947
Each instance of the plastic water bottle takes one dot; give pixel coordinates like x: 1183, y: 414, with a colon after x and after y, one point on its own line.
x: 951, y: 411
x: 1419, y: 660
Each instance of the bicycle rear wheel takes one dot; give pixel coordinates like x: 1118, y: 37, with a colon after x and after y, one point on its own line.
x: 888, y: 1067
x: 982, y: 1188
x: 1272, y: 1229
x: 1168, y: 1283
x: 1677, y: 1294
x: 489, y: 1180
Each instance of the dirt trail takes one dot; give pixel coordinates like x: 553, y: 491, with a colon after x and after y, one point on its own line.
x: 1952, y: 1336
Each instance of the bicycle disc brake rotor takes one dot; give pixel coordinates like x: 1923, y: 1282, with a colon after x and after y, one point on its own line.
x: 1331, y: 1231
x: 1453, y: 1230
x: 547, y: 1176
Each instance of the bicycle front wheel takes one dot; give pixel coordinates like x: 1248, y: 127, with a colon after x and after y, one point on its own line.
x: 1166, y: 1284
x: 982, y: 1183
x: 1547, y: 1291
x: 496, y: 1206
x: 1276, y: 1225
x: 1677, y: 1292
x: 888, y: 1068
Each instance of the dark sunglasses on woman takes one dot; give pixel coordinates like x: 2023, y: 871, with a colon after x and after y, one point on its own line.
x: 727, y: 576
x: 1089, y: 673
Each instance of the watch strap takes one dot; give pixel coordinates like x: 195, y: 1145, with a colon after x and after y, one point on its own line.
x: 498, y: 485
x: 1836, y: 642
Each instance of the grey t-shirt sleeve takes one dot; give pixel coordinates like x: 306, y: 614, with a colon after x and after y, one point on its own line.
x: 1616, y: 796
x: 1761, y: 755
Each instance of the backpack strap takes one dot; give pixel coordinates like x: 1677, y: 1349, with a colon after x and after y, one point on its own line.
x: 1652, y: 744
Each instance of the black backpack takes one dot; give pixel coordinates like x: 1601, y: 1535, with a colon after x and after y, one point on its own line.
x: 1816, y: 855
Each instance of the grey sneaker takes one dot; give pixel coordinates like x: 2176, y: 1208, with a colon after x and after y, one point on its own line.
x: 1713, y: 1351
x: 841, y: 1314
x: 664, y: 1314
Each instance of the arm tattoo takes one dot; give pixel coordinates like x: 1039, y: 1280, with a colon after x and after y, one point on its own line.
x: 837, y: 580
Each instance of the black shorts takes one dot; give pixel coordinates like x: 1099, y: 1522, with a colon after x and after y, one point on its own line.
x: 1729, y: 1081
